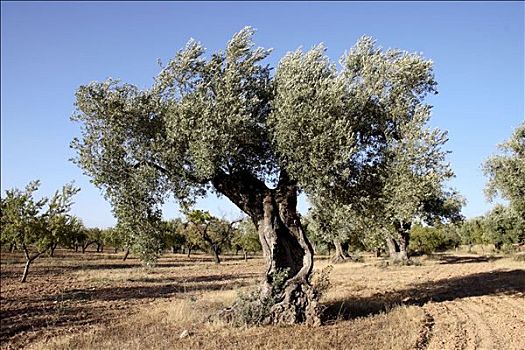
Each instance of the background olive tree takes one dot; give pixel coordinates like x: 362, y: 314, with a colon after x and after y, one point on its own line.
x: 340, y: 226
x: 506, y: 172
x: 215, y: 234
x: 173, y: 232
x: 35, y: 226
x: 246, y: 238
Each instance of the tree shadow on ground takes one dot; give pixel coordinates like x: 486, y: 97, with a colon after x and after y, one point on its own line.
x: 142, y: 292
x: 452, y: 259
x: 196, y: 279
x: 94, y: 305
x: 40, y: 271
x: 479, y: 284
x: 45, y: 317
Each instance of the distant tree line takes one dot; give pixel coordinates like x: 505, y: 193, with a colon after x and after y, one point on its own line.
x: 37, y: 227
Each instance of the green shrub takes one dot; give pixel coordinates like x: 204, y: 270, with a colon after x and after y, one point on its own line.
x: 252, y: 310
x: 426, y: 240
x: 321, y: 280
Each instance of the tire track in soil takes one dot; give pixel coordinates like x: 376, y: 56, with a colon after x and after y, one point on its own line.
x: 489, y: 322
x: 504, y: 317
x: 452, y: 330
x: 425, y: 334
x: 487, y: 336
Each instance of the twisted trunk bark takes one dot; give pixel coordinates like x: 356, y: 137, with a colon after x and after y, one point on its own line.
x: 397, y: 245
x: 403, y: 245
x: 340, y: 253
x: 391, y: 245
x: 287, y: 251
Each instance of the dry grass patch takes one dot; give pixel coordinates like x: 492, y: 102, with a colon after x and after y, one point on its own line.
x: 160, y: 328
x: 449, y: 301
x: 156, y: 325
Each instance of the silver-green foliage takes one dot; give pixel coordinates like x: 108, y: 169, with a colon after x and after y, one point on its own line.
x: 328, y: 221
x: 330, y: 127
x: 502, y: 226
x: 212, y: 116
x: 506, y: 171
x: 246, y: 236
x: 34, y: 225
x: 415, y: 175
x: 28, y: 222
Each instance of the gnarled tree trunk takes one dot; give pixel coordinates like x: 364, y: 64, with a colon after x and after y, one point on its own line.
x: 287, y: 251
x: 340, y: 252
x: 398, y: 244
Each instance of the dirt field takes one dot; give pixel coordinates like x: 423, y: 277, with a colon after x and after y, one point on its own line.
x: 97, y: 301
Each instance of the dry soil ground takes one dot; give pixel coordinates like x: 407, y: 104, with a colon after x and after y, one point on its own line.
x: 96, y: 301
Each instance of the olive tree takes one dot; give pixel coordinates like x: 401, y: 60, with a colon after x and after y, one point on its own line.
x: 246, y: 238
x: 34, y: 225
x: 113, y: 238
x: 413, y: 183
x: 223, y: 123
x: 337, y: 225
x: 215, y: 233
x: 65, y: 230
x: 506, y: 172
x: 92, y: 236
x: 173, y: 232
x: 503, y: 227
x: 142, y: 236
x: 472, y: 232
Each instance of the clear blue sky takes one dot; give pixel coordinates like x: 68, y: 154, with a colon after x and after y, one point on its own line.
x: 49, y: 49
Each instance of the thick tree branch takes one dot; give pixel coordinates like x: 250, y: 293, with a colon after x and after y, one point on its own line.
x: 244, y: 190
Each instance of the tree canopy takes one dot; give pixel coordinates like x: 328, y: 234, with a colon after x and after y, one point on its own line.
x: 223, y: 122
x: 208, y: 117
x: 35, y: 226
x: 506, y: 171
